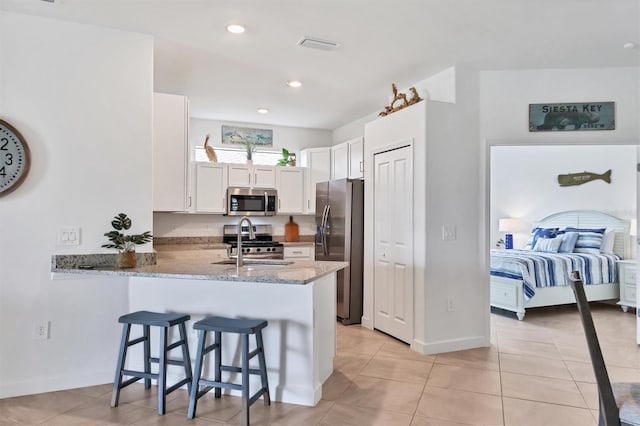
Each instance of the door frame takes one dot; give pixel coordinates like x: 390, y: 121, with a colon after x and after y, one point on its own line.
x: 410, y: 158
x: 368, y: 295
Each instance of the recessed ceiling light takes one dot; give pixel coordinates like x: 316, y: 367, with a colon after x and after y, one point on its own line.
x: 235, y: 28
x: 629, y: 45
x: 294, y: 83
x: 263, y: 110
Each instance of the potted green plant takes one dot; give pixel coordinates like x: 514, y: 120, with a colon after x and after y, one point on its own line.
x: 285, y: 158
x: 250, y: 147
x: 125, y: 244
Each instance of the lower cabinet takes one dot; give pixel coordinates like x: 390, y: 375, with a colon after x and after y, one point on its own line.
x: 299, y: 252
x: 628, y: 286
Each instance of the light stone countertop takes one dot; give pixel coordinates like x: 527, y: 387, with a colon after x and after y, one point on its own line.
x: 198, y: 268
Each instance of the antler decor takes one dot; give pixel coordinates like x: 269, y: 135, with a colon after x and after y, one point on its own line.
x: 415, y: 98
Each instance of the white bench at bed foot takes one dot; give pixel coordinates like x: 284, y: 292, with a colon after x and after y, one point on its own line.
x: 508, y: 294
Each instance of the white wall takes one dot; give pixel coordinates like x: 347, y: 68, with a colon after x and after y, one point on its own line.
x: 438, y: 87
x: 524, y: 182
x: 292, y: 138
x: 505, y: 97
x: 446, y: 192
x: 81, y: 96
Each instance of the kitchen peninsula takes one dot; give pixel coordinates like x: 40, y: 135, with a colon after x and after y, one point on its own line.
x: 298, y: 300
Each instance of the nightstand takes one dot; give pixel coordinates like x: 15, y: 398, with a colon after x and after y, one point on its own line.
x: 628, y: 286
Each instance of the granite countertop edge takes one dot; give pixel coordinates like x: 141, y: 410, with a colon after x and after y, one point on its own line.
x: 307, y: 272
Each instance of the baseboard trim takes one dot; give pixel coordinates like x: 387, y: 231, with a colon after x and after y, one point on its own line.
x: 366, y: 322
x: 433, y: 348
x: 10, y: 389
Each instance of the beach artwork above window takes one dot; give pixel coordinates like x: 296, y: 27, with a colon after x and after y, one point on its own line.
x: 246, y: 135
x: 572, y: 117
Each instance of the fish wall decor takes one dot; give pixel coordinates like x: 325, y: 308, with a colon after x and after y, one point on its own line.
x: 584, y: 177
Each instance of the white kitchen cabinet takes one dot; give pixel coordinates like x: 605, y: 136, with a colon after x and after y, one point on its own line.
x: 210, y: 180
x: 628, y: 287
x: 356, y: 158
x: 340, y: 161
x: 251, y: 176
x: 290, y: 183
x: 170, y: 152
x: 318, y: 164
x: 347, y: 159
x: 299, y: 252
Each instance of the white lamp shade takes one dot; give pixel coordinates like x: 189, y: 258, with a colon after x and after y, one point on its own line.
x: 508, y: 225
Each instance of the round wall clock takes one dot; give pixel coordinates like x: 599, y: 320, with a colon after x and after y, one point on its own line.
x: 14, y: 158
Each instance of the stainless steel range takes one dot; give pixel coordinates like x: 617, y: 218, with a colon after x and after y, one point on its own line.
x: 263, y: 247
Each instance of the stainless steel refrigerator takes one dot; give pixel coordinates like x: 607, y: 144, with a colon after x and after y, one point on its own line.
x: 340, y: 236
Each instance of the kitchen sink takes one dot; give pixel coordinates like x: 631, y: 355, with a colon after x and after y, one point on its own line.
x: 274, y: 262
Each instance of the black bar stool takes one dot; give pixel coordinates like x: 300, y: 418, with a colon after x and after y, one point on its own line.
x: 244, y: 327
x: 148, y: 320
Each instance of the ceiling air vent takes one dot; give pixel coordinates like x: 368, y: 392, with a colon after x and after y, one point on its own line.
x: 316, y: 43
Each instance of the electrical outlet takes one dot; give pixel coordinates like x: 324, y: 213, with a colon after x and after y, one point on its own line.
x: 41, y: 330
x: 449, y: 305
x: 449, y: 233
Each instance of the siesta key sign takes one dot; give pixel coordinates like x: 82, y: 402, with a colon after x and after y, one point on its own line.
x: 572, y: 116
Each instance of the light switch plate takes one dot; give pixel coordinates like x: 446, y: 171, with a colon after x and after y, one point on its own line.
x: 69, y: 236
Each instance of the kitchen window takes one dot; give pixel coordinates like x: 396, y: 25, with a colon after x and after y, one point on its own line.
x: 239, y: 156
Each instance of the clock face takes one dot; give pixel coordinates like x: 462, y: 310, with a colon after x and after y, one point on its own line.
x: 14, y: 158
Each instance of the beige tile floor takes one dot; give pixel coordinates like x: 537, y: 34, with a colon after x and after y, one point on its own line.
x: 536, y: 372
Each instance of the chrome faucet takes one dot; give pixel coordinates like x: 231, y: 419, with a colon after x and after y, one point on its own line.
x: 252, y: 236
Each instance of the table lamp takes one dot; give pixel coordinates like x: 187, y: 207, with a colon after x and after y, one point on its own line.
x: 508, y: 225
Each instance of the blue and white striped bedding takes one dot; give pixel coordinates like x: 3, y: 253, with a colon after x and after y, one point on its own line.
x: 538, y: 269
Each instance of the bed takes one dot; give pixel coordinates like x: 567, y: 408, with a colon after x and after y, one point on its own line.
x: 513, y: 292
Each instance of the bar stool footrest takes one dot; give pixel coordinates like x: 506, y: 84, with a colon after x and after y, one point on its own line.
x: 136, y: 341
x: 257, y: 395
x: 239, y: 370
x: 177, y: 385
x: 140, y: 374
x: 128, y: 382
x: 223, y: 385
x: 179, y: 362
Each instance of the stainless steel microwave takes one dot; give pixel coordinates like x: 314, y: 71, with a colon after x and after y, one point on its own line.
x: 251, y: 202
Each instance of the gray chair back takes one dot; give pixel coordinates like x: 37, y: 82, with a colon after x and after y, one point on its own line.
x: 609, y: 414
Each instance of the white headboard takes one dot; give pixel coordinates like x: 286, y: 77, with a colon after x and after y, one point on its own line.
x: 593, y: 219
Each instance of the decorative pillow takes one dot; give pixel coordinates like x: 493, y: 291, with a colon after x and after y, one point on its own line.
x: 598, y: 230
x: 588, y: 242
x: 608, y: 239
x: 541, y: 233
x: 569, y: 240
x: 548, y: 245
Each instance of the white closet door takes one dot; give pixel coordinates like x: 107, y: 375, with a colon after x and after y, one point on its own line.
x: 393, y: 236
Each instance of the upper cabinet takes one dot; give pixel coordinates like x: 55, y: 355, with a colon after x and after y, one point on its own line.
x: 210, y: 182
x: 245, y: 175
x: 318, y: 164
x: 170, y: 152
x: 290, y: 183
x: 340, y: 161
x: 356, y: 158
x: 347, y: 160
